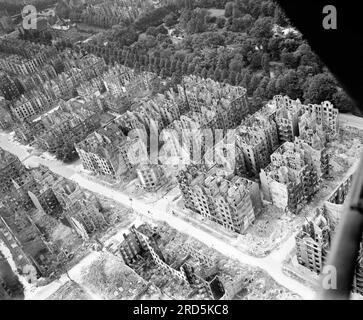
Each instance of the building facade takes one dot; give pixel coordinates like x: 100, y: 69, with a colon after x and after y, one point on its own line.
x: 292, y: 176
x: 232, y: 202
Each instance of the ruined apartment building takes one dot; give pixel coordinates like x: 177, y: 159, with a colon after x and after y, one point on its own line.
x: 294, y: 119
x: 81, y: 210
x: 189, y: 136
x: 224, y: 156
x: 12, y: 171
x: 226, y: 101
x: 65, y: 61
x: 143, y: 242
x: 37, y: 78
x: 68, y: 123
x: 132, y: 100
x: 10, y: 88
x: 325, y: 115
x: 50, y: 90
x: 292, y: 176
x: 56, y: 197
x: 31, y: 104
x: 121, y: 80
x: 59, y: 117
x: 151, y: 176
x: 18, y: 65
x: 106, y: 152
x: 93, y: 89
x: 17, y: 230
x: 6, y: 24
x: 27, y: 56
x: 30, y: 216
x: 212, y: 107
x: 233, y: 202
x: 286, y: 113
x: 319, y: 122
x: 65, y: 84
x: 151, y: 114
x: 24, y: 240
x: 314, y: 240
x: 6, y: 120
x: 256, y: 139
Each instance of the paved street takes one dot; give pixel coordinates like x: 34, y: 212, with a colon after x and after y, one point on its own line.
x: 351, y: 120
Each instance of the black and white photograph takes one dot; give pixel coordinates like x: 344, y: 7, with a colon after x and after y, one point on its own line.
x: 201, y: 152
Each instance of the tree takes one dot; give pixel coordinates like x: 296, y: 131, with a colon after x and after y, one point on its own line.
x: 289, y: 59
x: 185, y: 66
x: 344, y: 103
x: 191, y: 68
x: 232, y: 78
x: 239, y: 79
x: 196, y: 24
x: 257, y: 100
x: 274, y: 48
x: 179, y: 66
x: 213, y: 39
x: 236, y: 63
x: 163, y: 73
x: 322, y: 88
x: 265, y: 63
x: 185, y: 16
x: 210, y: 73
x: 236, y: 12
x: 280, y: 18
x: 171, y: 19
x: 151, y: 31
x: 268, y: 8
x: 245, y: 22
x: 256, y: 60
x: 262, y: 87
x: 123, y: 36
x: 176, y: 79
x: 271, y: 88
x: 289, y: 84
x: 204, y: 73
x: 173, y: 64
x: 224, y: 75
x: 198, y: 69
x: 307, y: 58
x: 247, y: 46
x: 262, y: 29
x: 246, y: 79
x: 151, y: 18
x: 229, y: 9
x: 221, y: 22
x: 161, y: 30
x: 210, y: 19
x: 217, y: 74
x: 255, y: 81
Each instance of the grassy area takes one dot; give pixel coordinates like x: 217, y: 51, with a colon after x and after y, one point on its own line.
x: 217, y: 12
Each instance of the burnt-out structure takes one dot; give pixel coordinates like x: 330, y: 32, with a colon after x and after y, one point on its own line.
x: 314, y: 240
x: 231, y: 201
x: 43, y: 216
x: 143, y: 244
x: 292, y: 177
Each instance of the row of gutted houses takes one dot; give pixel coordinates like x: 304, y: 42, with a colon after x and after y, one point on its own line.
x: 313, y: 242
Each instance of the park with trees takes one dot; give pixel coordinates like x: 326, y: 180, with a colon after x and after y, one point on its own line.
x: 242, y: 42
